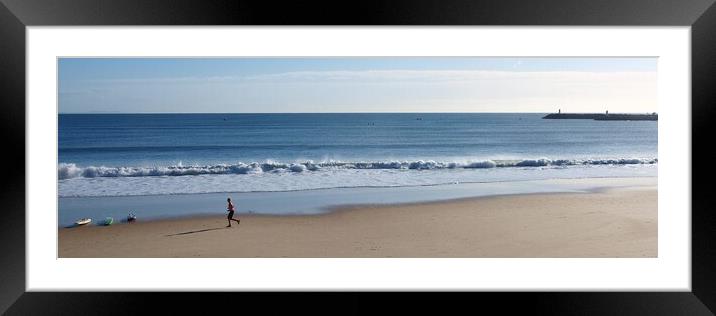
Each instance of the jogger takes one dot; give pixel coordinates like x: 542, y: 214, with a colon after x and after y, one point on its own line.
x: 230, y: 208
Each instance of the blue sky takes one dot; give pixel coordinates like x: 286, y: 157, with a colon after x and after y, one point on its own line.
x: 360, y: 84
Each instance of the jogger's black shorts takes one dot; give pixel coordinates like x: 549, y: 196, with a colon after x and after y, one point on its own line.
x: 231, y: 215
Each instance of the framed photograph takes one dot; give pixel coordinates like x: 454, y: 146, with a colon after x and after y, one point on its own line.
x: 400, y: 147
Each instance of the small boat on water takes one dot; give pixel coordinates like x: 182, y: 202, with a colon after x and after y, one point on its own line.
x: 83, y: 221
x: 108, y: 221
x: 131, y: 218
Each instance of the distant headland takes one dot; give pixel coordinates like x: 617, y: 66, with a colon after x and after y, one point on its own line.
x: 606, y: 116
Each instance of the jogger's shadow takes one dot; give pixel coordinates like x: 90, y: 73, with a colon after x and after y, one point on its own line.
x: 195, y: 231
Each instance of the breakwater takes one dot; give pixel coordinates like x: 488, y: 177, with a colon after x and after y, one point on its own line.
x: 603, y: 116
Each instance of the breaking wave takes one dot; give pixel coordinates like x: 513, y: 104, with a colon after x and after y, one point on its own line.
x: 71, y: 170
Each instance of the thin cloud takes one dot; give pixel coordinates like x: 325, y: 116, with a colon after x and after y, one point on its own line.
x: 390, y: 76
x: 440, y: 76
x: 378, y: 90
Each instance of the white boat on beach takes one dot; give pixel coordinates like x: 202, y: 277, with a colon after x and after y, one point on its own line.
x: 83, y: 221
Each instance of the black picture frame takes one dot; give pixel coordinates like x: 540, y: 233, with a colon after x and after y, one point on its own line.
x: 16, y: 15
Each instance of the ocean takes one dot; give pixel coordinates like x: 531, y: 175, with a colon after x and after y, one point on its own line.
x: 116, y: 156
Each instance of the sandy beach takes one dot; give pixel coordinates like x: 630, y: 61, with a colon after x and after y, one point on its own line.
x: 610, y: 223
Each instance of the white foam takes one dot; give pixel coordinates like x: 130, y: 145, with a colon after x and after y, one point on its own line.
x: 251, y: 178
x: 71, y: 170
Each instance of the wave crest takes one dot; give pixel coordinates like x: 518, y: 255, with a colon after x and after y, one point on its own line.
x: 71, y: 170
